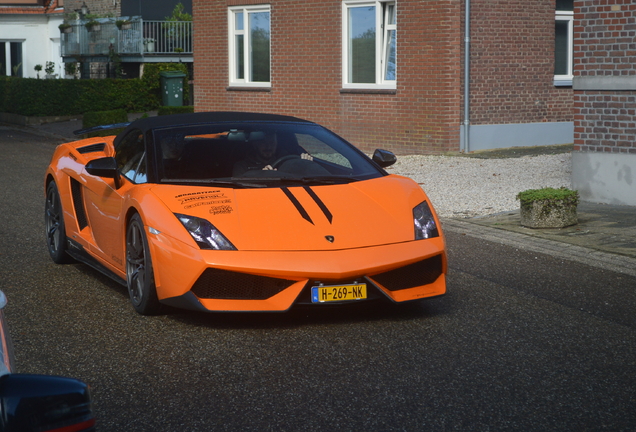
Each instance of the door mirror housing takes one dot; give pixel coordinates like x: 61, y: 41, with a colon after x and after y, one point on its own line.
x: 384, y: 158
x: 103, y: 167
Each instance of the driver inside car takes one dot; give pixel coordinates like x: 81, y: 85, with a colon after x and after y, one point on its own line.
x: 263, y: 154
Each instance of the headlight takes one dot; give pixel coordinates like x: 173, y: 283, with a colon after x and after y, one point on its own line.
x: 204, y: 233
x: 425, y: 226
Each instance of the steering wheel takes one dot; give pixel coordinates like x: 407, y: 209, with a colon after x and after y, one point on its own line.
x: 281, y: 160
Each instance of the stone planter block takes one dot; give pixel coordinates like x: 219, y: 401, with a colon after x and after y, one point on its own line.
x: 548, y: 214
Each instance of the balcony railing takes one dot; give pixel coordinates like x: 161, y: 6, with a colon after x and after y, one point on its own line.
x: 141, y: 38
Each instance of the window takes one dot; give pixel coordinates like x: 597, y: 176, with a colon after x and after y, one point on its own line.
x: 130, y: 157
x: 11, y: 59
x: 369, y: 44
x: 249, y: 46
x: 563, y: 43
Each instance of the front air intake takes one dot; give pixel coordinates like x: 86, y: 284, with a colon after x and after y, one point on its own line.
x: 78, y: 203
x: 413, y: 275
x: 229, y: 285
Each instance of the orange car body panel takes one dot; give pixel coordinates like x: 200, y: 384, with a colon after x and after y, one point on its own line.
x: 273, y: 238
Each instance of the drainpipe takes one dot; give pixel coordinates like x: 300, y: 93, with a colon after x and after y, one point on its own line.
x: 466, y: 143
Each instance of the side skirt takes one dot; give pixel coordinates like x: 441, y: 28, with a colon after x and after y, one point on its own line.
x: 77, y: 251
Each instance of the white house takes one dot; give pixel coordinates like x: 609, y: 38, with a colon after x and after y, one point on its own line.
x: 29, y: 36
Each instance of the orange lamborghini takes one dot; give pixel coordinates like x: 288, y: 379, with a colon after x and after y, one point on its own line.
x: 241, y: 212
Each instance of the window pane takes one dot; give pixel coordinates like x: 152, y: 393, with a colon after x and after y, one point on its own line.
x: 240, y: 57
x: 390, y: 44
x: 561, y: 48
x: 391, y: 14
x: 260, y: 41
x: 142, y: 175
x: 389, y: 73
x: 565, y: 5
x: 16, y: 59
x: 362, y: 44
x: 129, y: 153
x: 3, y: 57
x: 238, y: 23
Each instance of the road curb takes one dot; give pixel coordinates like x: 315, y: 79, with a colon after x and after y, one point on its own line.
x: 583, y: 255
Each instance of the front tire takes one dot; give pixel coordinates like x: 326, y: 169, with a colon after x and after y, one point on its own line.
x: 139, y: 274
x: 54, y: 222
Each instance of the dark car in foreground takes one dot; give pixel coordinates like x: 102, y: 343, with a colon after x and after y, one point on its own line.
x: 39, y: 403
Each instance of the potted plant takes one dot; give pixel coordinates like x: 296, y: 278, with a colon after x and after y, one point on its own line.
x: 123, y: 24
x: 93, y: 25
x: 65, y: 28
x: 70, y: 69
x: 17, y: 70
x: 149, y: 44
x: 49, y: 69
x: 38, y: 69
x: 548, y: 207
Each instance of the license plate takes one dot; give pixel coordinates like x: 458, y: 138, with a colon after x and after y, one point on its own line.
x: 329, y: 293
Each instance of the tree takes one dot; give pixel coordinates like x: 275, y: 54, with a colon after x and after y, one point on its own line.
x: 178, y: 33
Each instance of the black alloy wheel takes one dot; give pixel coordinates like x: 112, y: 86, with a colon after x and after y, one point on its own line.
x: 139, y: 274
x: 54, y: 223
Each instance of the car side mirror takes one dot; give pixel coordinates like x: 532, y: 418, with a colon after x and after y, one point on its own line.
x: 104, y: 167
x: 384, y: 158
x: 39, y: 402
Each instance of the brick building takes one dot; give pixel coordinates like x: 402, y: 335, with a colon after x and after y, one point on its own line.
x: 604, y: 160
x: 390, y: 73
x: 518, y: 95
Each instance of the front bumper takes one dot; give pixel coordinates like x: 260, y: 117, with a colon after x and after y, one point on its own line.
x: 275, y: 280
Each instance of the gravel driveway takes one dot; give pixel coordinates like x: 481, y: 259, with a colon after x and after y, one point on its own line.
x: 467, y: 187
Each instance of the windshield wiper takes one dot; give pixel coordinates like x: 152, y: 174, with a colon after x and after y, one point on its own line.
x: 320, y: 180
x: 212, y: 182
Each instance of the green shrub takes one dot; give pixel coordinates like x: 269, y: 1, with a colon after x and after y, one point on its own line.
x: 167, y: 110
x: 562, y: 194
x: 101, y: 118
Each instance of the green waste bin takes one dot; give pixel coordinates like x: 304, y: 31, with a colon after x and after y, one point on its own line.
x: 172, y: 88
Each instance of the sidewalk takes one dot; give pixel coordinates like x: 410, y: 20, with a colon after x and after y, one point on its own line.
x: 61, y: 130
x: 605, y: 234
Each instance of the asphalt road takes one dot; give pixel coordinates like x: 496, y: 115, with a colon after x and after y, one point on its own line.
x: 522, y: 342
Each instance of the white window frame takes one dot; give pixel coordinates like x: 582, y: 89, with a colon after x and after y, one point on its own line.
x: 382, y: 28
x: 232, y: 33
x: 568, y: 17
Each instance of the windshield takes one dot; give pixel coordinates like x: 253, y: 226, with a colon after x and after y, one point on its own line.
x: 258, y: 155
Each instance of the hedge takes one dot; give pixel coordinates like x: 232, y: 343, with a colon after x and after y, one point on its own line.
x: 99, y: 118
x: 167, y: 110
x: 53, y: 97
x: 59, y: 97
